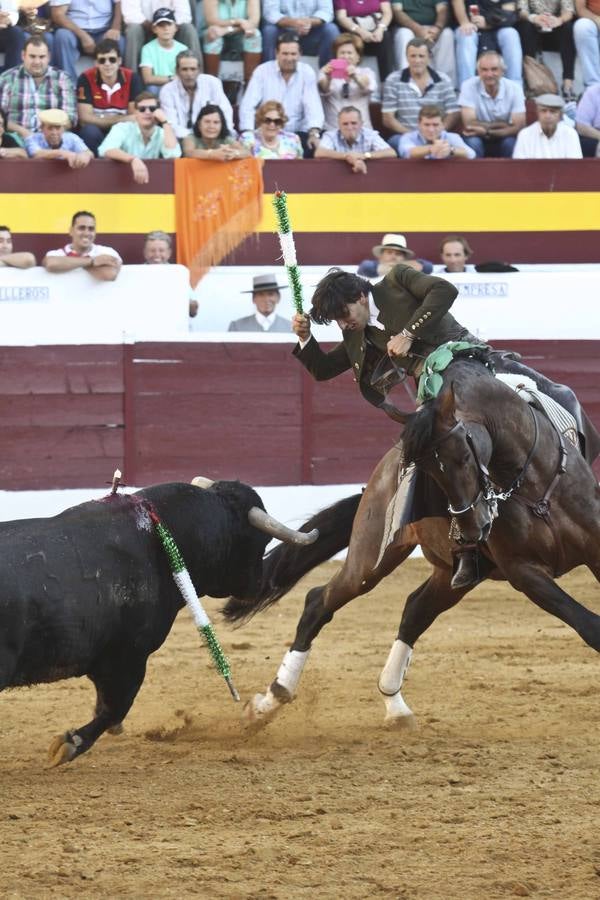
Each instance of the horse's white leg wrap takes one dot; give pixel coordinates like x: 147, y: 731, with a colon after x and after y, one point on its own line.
x: 390, y: 682
x: 264, y: 707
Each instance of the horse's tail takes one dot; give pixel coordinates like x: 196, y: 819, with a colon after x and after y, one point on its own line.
x: 285, y: 565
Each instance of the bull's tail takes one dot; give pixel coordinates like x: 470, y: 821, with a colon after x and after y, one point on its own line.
x: 286, y: 564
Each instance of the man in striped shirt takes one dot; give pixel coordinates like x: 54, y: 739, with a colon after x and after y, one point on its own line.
x: 406, y: 91
x: 26, y: 90
x: 352, y: 142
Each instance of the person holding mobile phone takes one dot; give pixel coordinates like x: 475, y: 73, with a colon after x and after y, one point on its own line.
x: 344, y: 81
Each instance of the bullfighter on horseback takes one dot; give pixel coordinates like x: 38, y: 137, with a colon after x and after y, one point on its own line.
x: 406, y: 316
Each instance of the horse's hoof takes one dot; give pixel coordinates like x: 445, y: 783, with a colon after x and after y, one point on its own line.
x: 259, y: 711
x: 406, y: 723
x: 61, y: 750
x: 116, y: 729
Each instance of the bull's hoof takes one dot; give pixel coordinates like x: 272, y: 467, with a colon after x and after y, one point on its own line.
x: 62, y: 750
x: 259, y: 711
x: 116, y: 729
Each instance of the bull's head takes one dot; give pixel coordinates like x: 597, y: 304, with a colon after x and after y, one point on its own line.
x: 266, y: 523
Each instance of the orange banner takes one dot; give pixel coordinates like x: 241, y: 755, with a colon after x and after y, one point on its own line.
x: 217, y: 206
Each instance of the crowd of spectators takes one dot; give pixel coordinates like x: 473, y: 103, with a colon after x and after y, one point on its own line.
x: 451, y: 80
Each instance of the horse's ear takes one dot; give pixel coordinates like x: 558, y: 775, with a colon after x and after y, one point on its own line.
x: 398, y: 415
x: 447, y: 405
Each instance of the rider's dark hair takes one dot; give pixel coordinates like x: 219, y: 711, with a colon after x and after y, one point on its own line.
x: 334, y: 293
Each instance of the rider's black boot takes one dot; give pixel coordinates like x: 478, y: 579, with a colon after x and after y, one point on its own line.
x: 466, y: 567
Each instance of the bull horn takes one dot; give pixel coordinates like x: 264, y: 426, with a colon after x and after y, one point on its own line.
x: 264, y: 522
x: 202, y: 482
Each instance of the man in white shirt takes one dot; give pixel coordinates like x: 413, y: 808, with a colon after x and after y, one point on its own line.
x: 549, y: 137
x: 137, y: 16
x: 102, y: 263
x: 183, y: 98
x: 294, y: 84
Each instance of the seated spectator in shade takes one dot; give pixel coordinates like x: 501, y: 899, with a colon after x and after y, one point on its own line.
x: 405, y: 92
x: 265, y: 296
x: 7, y: 255
x: 586, y: 34
x: 548, y: 25
x: 269, y: 140
x: 233, y: 26
x: 311, y: 20
x: 211, y: 138
x: 391, y: 251
x: 102, y: 263
x: 549, y: 137
x: 183, y: 98
x: 137, y: 18
x: 292, y: 83
x: 79, y: 25
x: 34, y: 86
x: 353, y: 143
x: 493, y: 108
x: 454, y: 253
x: 587, y: 120
x: 343, y: 80
x: 370, y: 20
x: 105, y: 94
x: 12, y: 39
x: 430, y: 141
x: 489, y: 25
x: 9, y: 148
x: 159, y: 57
x: 427, y: 20
x: 53, y: 141
x: 148, y: 137
x: 158, y: 248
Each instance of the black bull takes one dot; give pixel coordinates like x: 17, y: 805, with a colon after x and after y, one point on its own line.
x: 90, y: 591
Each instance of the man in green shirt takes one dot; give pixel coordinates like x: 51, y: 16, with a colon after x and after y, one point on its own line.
x: 149, y: 137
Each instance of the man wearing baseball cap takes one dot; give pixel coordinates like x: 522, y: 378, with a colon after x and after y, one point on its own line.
x: 137, y: 19
x: 391, y: 251
x: 549, y: 137
x: 159, y: 57
x: 265, y: 296
x: 53, y: 141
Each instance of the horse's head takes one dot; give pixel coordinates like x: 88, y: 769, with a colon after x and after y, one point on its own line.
x: 455, y: 452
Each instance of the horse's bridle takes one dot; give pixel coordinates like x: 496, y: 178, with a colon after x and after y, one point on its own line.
x: 487, y: 491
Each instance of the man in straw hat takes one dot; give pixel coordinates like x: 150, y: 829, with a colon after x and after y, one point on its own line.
x: 53, y: 141
x: 265, y: 296
x: 391, y: 251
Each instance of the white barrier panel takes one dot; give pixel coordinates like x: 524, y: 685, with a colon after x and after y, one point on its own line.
x: 520, y: 305
x: 145, y: 303
x: 151, y: 303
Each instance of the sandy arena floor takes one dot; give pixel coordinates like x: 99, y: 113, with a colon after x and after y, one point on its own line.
x: 495, y: 795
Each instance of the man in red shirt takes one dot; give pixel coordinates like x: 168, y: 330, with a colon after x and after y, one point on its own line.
x: 105, y: 94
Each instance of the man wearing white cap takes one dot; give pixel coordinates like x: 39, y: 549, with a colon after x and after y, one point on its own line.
x: 265, y: 296
x: 549, y: 137
x: 53, y: 141
x: 391, y: 251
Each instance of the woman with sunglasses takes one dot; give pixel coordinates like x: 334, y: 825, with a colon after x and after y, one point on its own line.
x: 269, y: 140
x: 343, y: 81
x: 9, y: 148
x: 211, y: 138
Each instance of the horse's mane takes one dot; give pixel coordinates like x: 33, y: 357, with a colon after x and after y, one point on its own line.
x: 418, y: 435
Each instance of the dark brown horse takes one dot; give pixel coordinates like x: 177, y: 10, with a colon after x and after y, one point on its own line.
x: 493, y: 450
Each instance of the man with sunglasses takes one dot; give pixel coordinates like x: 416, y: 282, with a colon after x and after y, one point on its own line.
x: 105, y: 94
x: 102, y: 263
x: 149, y: 136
